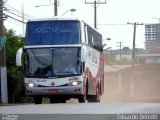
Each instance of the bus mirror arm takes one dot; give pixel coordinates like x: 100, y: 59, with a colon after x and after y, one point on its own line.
x: 83, y: 53
x: 19, y: 57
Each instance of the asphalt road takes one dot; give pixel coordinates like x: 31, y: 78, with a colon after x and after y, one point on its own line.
x: 77, y: 111
x: 84, y: 108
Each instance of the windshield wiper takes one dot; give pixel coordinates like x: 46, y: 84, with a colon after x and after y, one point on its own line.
x: 53, y: 77
x: 69, y: 73
x: 64, y: 73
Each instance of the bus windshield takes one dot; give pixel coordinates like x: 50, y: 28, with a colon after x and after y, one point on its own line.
x: 52, y: 32
x: 52, y: 62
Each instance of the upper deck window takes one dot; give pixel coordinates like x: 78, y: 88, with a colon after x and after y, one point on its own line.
x: 52, y: 32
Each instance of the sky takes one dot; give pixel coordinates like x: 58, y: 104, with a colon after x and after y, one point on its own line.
x: 112, y: 17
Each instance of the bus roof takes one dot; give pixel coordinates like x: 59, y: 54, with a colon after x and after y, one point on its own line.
x: 55, y: 19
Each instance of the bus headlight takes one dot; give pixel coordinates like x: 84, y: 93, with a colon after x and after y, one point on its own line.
x: 74, y: 83
x: 30, y: 84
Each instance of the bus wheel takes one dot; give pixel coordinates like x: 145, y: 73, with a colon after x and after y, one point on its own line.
x: 82, y: 99
x: 37, y: 99
x: 97, y: 97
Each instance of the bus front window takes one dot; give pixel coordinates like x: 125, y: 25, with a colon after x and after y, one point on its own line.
x: 65, y: 61
x: 51, y: 62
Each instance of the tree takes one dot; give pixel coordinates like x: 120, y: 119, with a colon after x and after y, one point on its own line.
x: 14, y: 75
x: 126, y: 50
x: 140, y: 51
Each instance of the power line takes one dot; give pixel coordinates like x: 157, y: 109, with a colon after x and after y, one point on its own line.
x: 112, y: 24
x: 5, y: 1
x: 103, y: 24
x: 14, y: 22
x: 15, y: 19
x: 10, y: 8
x: 15, y: 14
x: 95, y: 9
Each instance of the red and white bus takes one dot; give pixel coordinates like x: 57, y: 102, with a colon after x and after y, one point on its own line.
x: 52, y: 45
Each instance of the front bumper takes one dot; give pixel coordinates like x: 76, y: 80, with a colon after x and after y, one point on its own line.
x: 44, y: 91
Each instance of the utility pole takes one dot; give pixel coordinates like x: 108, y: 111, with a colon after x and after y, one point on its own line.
x: 120, y: 46
x: 55, y: 8
x: 95, y: 14
x: 95, y: 9
x: 134, y: 38
x: 4, y: 88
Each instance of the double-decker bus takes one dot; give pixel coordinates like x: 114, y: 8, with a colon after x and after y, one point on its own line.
x: 52, y: 45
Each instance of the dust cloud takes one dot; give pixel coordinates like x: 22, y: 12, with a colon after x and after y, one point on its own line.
x: 140, y: 83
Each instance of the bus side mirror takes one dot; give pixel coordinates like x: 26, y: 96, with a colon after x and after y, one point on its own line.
x: 83, y: 53
x: 19, y: 57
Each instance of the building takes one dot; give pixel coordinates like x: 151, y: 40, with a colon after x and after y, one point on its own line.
x: 152, y: 37
x: 148, y: 58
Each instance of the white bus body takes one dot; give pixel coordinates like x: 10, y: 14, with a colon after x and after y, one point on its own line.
x: 47, y: 48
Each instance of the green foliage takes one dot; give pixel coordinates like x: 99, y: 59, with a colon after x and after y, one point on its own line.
x: 126, y: 50
x: 14, y: 74
x: 12, y: 45
x: 140, y: 51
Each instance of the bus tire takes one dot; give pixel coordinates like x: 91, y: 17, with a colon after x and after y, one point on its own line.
x: 97, y: 97
x: 38, y: 100
x: 82, y: 99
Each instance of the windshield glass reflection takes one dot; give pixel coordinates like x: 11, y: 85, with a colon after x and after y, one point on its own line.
x: 52, y: 62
